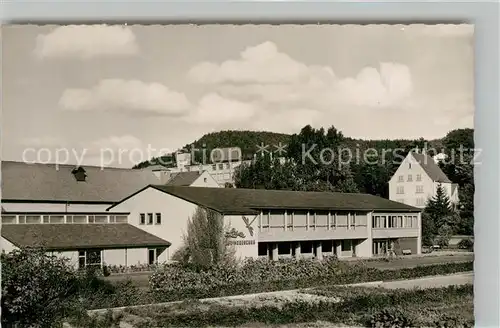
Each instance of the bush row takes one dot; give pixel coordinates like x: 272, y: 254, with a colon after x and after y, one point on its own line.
x: 358, y: 306
x: 262, y: 275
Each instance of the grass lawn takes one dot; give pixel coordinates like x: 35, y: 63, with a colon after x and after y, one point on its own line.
x: 334, y: 307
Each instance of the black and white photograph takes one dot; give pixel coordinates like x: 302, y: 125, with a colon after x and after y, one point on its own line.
x: 219, y: 175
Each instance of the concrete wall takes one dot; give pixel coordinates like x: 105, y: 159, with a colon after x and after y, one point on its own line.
x: 174, y: 212
x: 6, y: 245
x: 51, y: 207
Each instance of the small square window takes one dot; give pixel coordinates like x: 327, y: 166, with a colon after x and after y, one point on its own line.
x: 150, y: 218
x: 410, y: 178
x: 142, y: 219
x: 158, y: 218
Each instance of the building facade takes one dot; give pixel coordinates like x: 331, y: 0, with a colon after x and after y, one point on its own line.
x: 417, y: 179
x: 279, y: 224
x: 77, y: 213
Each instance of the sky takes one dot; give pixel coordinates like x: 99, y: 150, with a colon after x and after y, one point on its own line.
x: 117, y: 95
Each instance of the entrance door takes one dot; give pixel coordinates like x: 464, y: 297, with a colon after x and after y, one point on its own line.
x: 151, y: 256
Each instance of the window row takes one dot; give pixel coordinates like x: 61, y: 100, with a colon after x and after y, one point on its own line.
x: 394, y: 221
x: 60, y: 219
x: 303, y: 219
x: 418, y: 177
x: 152, y: 218
x: 401, y: 190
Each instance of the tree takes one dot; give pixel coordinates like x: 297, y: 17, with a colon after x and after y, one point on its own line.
x: 206, y: 241
x: 438, y: 207
x: 444, y: 234
x: 428, y: 230
x: 38, y: 290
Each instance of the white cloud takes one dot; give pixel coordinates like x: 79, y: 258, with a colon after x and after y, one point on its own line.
x: 86, y: 42
x: 276, y: 78
x: 444, y: 30
x: 216, y: 110
x: 126, y: 96
x: 259, y: 64
x: 40, y: 142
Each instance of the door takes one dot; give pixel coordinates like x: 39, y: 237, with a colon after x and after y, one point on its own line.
x: 151, y: 256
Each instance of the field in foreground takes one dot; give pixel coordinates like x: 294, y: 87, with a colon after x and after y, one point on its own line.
x: 323, y: 307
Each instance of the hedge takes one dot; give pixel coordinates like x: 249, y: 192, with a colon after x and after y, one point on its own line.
x: 176, y: 282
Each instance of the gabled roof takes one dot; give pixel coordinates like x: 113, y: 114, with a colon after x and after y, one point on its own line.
x: 44, y: 182
x: 183, y: 178
x: 248, y: 201
x: 431, y: 167
x: 80, y: 236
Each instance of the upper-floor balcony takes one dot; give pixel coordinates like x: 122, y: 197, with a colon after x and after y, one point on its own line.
x: 63, y: 217
x: 275, y: 225
x: 305, y: 225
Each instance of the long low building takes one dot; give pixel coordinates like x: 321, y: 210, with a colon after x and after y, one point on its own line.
x: 128, y: 218
x: 284, y: 223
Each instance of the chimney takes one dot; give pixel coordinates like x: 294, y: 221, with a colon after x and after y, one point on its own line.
x: 79, y: 174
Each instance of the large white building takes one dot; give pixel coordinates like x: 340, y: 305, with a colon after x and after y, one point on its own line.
x: 417, y: 179
x: 125, y: 217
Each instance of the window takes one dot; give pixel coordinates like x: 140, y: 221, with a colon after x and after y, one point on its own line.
x: 409, y: 166
x: 227, y: 166
x: 420, y: 201
x: 289, y: 220
x: 221, y: 166
x: 333, y: 220
x: 142, y: 219
x: 419, y: 177
x: 150, y: 218
x: 400, y: 190
x: 153, y: 254
x: 346, y: 245
x: 214, y: 167
x: 22, y: 219
x: 8, y: 219
x: 33, y: 219
x: 410, y: 222
x: 205, y: 180
x: 420, y: 190
x: 265, y: 220
x: 81, y: 259
x: 57, y: 219
x: 312, y: 219
x: 400, y: 221
x: 46, y: 219
x: 158, y: 218
x: 89, y: 258
x: 263, y: 249
x: 400, y: 178
x: 410, y: 178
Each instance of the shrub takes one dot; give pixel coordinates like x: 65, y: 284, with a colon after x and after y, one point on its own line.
x: 466, y: 244
x: 37, y: 289
x: 447, y: 321
x: 177, y: 281
x: 394, y: 318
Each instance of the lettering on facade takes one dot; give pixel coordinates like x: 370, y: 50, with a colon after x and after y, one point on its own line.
x: 242, y: 242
